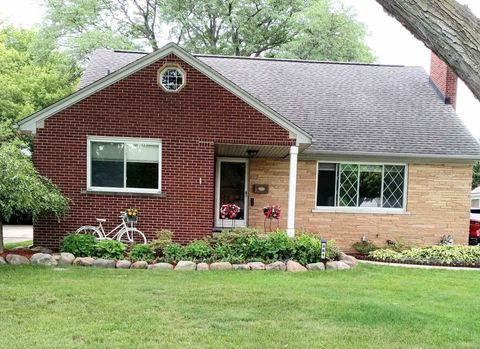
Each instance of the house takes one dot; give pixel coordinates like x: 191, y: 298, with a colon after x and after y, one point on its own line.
x: 475, y: 198
x: 346, y: 150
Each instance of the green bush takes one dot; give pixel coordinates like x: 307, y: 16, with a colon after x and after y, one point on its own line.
x: 163, y: 238
x: 385, y: 254
x: 435, y: 254
x: 277, y: 247
x: 141, y: 253
x: 364, y: 247
x: 173, y: 253
x: 228, y: 253
x: 80, y: 245
x: 110, y: 249
x: 198, y: 251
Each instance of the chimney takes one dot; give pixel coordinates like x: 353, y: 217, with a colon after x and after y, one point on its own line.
x: 444, y: 79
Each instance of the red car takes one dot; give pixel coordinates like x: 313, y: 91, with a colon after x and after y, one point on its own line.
x: 474, y: 235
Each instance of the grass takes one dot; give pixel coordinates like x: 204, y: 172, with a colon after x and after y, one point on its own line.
x: 18, y: 244
x: 368, y: 307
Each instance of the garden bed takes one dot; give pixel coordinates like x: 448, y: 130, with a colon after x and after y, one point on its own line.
x: 416, y: 262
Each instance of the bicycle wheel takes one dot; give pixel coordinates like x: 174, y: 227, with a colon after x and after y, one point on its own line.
x: 88, y: 229
x: 132, y: 236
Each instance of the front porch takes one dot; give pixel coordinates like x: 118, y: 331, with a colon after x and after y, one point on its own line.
x: 239, y: 181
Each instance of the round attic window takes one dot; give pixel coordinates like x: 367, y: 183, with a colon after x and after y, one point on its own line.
x: 172, y: 78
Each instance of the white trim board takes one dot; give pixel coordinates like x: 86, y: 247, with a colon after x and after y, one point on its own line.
x: 30, y: 123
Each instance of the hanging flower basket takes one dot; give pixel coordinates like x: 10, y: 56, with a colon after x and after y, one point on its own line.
x: 132, y: 215
x: 229, y: 211
x: 271, y: 212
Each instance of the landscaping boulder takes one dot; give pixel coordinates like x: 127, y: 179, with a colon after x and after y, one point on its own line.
x: 104, y: 263
x: 123, y: 264
x: 203, y: 266
x: 161, y: 266
x: 221, y: 266
x: 84, y: 261
x: 316, y: 266
x: 276, y: 266
x: 337, y: 265
x: 256, y: 265
x: 43, y: 259
x: 295, y: 267
x: 15, y: 259
x: 350, y: 260
x: 139, y: 265
x: 185, y: 266
x: 241, y: 267
x: 66, y: 258
x: 41, y: 249
x: 2, y: 260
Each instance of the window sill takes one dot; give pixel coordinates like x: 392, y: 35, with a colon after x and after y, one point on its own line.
x: 122, y: 193
x: 358, y: 210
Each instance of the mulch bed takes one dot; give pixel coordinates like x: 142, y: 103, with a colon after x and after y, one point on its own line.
x: 437, y: 264
x: 23, y: 252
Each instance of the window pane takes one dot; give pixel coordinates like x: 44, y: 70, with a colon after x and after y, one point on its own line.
x: 232, y: 186
x: 393, y: 184
x: 107, y: 164
x: 142, y: 165
x: 370, y: 186
x: 347, y: 187
x: 327, y: 175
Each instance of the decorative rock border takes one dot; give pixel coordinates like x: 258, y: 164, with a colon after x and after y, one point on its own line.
x: 67, y: 259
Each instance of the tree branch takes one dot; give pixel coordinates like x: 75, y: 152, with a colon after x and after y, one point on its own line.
x: 446, y: 27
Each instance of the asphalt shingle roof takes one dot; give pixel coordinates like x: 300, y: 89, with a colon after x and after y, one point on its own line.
x: 351, y: 108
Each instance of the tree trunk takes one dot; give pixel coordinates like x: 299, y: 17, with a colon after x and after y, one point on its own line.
x: 1, y: 237
x: 446, y: 27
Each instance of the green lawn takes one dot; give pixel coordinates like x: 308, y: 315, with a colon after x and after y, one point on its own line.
x: 368, y: 307
x: 18, y: 244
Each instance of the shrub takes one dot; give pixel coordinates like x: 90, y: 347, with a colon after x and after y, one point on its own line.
x: 364, y: 247
x: 163, y: 238
x: 307, y: 249
x: 332, y: 251
x: 110, y: 249
x: 228, y: 253
x: 397, y: 246
x: 80, y: 245
x: 141, y: 253
x: 198, y: 251
x: 385, y: 254
x: 173, y: 253
x: 277, y: 247
x: 436, y: 254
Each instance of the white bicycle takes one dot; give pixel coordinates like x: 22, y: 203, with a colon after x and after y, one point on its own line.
x: 122, y: 232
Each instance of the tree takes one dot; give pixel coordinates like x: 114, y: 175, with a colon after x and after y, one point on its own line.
x: 232, y: 27
x: 446, y: 27
x: 476, y: 174
x: 23, y: 190
x: 33, y: 75
x: 328, y: 30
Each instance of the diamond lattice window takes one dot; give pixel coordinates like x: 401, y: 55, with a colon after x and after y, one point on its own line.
x: 393, y: 186
x: 366, y: 186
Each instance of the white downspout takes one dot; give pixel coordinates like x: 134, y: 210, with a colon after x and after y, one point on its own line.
x: 292, y: 191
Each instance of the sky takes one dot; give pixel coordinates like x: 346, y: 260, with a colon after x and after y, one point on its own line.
x: 390, y: 41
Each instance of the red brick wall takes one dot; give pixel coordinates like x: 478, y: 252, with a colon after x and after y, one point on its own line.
x: 189, y: 123
x: 444, y: 78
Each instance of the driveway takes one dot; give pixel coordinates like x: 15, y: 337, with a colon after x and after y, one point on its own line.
x: 17, y: 233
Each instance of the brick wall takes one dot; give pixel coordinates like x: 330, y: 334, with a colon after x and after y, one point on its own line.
x: 444, y: 78
x: 189, y: 123
x: 438, y: 203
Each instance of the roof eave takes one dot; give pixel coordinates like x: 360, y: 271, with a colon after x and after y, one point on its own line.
x: 317, y: 155
x: 31, y: 122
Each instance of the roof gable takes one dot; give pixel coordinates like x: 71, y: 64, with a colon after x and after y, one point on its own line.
x: 35, y: 120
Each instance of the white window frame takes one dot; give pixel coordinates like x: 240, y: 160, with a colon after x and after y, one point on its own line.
x: 343, y: 209
x: 131, y: 140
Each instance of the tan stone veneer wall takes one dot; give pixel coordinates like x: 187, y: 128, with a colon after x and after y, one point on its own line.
x: 437, y: 203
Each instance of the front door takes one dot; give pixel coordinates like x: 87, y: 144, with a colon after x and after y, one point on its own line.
x: 231, y: 188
